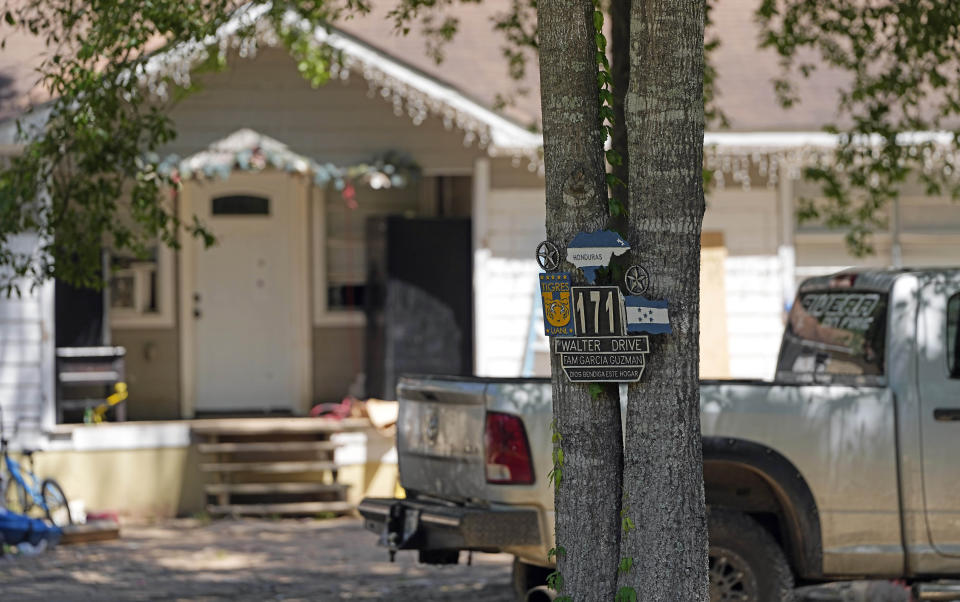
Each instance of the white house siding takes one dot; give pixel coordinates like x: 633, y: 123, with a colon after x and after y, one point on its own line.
x: 506, y: 279
x: 749, y: 222
x: 27, y: 359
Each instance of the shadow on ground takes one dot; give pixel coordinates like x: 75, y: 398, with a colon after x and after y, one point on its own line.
x: 248, y: 560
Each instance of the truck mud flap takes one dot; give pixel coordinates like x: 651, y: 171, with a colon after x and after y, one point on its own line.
x: 417, y: 525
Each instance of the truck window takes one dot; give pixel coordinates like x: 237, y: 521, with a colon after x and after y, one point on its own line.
x: 953, y: 343
x: 835, y: 337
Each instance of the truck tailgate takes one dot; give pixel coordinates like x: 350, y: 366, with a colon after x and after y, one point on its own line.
x: 440, y: 433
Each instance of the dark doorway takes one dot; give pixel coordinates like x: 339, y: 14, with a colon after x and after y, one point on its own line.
x: 419, y: 300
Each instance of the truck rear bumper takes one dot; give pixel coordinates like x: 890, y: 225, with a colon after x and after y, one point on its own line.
x: 424, y: 525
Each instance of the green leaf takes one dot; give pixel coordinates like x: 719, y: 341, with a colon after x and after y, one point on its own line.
x: 601, y: 42
x: 616, y: 208
x: 625, y: 565
x: 598, y: 20
x: 603, y: 61
x: 8, y: 17
x: 596, y: 389
x: 555, y: 581
x: 626, y: 594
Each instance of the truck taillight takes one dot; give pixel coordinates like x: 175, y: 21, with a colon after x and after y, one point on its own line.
x: 507, y: 450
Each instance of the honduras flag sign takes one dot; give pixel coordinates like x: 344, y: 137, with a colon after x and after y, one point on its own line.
x: 590, y: 251
x: 644, y: 315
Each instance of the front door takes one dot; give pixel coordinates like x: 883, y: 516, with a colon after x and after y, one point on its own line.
x: 244, y: 302
x: 938, y: 365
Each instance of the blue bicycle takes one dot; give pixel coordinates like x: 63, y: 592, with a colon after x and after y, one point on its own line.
x: 25, y: 493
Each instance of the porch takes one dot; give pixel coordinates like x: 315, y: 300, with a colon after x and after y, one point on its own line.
x: 221, y: 466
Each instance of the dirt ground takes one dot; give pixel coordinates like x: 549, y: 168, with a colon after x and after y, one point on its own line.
x: 247, y: 560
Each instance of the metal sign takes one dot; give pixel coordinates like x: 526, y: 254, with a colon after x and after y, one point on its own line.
x: 597, y: 311
x: 591, y: 251
x: 603, y: 359
x: 557, y: 310
x: 592, y: 324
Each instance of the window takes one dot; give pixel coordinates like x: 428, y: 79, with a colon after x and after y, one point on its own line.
x: 141, y: 290
x: 953, y: 342
x: 340, y: 247
x: 835, y: 337
x: 240, y: 205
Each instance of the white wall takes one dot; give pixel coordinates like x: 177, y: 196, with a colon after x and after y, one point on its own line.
x: 749, y: 221
x: 26, y: 358
x: 506, y: 277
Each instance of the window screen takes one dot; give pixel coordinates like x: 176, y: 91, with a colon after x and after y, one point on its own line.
x: 239, y: 204
x: 835, y: 336
x: 953, y: 343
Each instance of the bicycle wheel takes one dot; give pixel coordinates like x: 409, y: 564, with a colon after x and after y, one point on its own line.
x: 58, y: 510
x: 15, y: 498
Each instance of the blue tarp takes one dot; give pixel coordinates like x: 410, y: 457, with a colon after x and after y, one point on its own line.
x: 17, y: 528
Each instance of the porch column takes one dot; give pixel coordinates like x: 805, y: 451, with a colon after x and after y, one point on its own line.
x: 478, y: 212
x: 786, y: 250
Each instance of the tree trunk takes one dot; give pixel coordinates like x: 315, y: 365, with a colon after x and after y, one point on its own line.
x: 588, y: 498
x: 663, y: 474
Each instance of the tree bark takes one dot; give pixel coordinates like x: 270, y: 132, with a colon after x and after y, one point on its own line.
x: 663, y: 467
x: 620, y: 71
x: 587, y: 501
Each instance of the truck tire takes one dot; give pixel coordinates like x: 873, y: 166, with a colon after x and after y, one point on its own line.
x: 746, y: 563
x: 527, y: 576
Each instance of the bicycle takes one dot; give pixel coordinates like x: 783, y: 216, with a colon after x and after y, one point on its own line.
x: 21, y: 493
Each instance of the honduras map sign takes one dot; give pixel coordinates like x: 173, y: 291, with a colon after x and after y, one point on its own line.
x: 593, y: 325
x: 590, y: 251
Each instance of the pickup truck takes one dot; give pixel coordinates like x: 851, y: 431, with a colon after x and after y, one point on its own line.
x: 845, y: 467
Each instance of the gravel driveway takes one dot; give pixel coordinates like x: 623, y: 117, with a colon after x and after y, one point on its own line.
x: 248, y: 560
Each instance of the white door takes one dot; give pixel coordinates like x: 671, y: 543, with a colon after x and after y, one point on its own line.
x: 244, y: 303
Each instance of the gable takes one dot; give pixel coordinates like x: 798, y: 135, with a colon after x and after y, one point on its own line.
x: 343, y: 122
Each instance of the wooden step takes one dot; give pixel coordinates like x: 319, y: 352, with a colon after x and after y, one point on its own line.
x: 262, y: 426
x: 268, y: 488
x: 266, y: 446
x: 98, y: 530
x: 289, y: 508
x: 305, y: 466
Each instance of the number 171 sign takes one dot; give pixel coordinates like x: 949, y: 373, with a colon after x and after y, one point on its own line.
x: 597, y: 311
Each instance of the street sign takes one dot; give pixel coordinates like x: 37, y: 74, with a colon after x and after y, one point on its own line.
x: 603, y: 359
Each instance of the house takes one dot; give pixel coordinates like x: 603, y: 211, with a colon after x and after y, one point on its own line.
x: 271, y: 318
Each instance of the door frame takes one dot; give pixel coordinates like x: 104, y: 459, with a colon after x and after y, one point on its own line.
x: 192, y: 192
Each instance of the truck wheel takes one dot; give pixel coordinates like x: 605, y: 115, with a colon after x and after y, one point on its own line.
x: 746, y: 563
x: 526, y: 577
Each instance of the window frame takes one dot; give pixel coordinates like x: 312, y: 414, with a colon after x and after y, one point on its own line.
x: 130, y: 319
x: 323, y: 316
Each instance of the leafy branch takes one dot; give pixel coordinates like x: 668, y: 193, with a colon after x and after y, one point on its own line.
x: 900, y: 59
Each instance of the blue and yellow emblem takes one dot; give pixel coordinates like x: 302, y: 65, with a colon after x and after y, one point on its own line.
x: 557, y: 307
